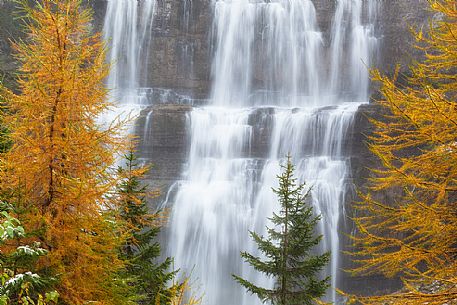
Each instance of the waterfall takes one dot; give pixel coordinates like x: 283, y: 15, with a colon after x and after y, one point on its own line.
x: 278, y: 82
x: 282, y: 37
x: 347, y: 26
x: 127, y: 30
x: 276, y: 78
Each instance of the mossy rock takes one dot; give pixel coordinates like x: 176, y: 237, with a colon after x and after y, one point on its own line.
x: 10, y: 29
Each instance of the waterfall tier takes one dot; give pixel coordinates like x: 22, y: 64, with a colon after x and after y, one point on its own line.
x: 225, y: 192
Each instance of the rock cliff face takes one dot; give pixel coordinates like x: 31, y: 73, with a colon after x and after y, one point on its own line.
x: 9, y: 29
x: 180, y: 56
x: 180, y: 60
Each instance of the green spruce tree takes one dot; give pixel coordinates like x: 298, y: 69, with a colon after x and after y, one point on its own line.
x: 5, y: 141
x: 287, y: 249
x: 149, y: 279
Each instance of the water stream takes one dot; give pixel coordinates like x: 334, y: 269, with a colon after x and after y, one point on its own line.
x: 127, y: 30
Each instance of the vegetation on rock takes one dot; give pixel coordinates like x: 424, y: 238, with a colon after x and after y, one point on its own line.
x: 414, y: 236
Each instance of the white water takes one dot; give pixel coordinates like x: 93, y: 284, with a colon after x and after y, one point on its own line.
x: 348, y: 28
x: 127, y: 30
x: 289, y: 49
x: 275, y: 77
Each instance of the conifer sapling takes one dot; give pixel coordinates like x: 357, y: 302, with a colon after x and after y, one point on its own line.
x: 288, y: 249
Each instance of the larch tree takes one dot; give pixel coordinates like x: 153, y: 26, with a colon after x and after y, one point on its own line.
x: 58, y: 168
x: 288, y: 249
x: 414, y: 236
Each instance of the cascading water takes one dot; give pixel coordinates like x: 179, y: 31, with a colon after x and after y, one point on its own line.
x: 269, y: 79
x: 347, y: 28
x: 127, y: 29
x: 281, y: 37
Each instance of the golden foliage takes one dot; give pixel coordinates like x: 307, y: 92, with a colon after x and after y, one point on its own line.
x: 58, y: 169
x: 415, y: 236
x: 182, y: 295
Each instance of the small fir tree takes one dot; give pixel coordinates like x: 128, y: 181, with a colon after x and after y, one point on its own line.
x: 141, y: 251
x: 288, y: 249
